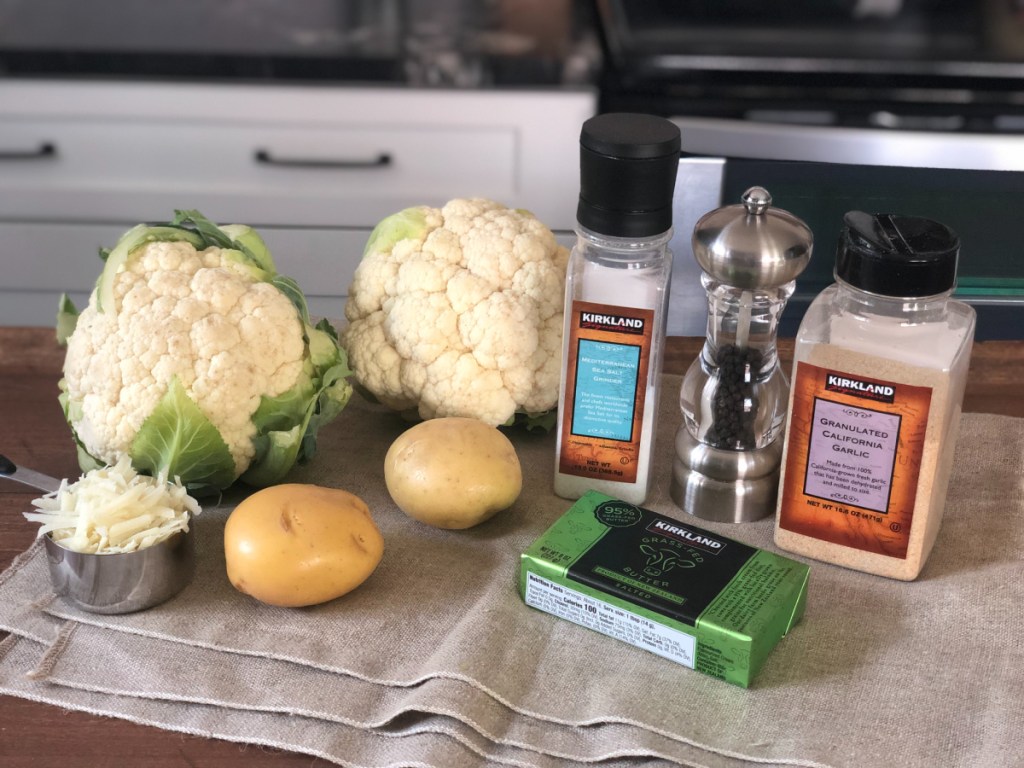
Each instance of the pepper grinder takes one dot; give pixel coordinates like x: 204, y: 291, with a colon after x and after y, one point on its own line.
x: 734, y: 396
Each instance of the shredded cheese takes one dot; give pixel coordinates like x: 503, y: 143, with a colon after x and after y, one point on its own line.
x: 114, y: 509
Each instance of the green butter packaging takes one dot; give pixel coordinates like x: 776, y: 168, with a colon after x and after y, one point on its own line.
x: 689, y: 595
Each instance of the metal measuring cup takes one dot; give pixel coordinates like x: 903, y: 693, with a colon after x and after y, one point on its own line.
x: 114, y: 583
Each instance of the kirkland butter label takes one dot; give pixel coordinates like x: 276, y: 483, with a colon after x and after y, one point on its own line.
x: 660, y: 563
x: 684, y: 593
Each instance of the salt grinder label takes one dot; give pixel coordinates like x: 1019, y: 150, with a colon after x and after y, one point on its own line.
x: 606, y: 385
x: 854, y: 459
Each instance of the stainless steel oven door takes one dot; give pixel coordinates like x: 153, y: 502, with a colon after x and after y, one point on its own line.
x: 972, y: 182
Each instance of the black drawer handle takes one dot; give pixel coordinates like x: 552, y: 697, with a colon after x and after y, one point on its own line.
x: 42, y: 152
x: 264, y: 157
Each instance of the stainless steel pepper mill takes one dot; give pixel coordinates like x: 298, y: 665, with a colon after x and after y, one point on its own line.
x: 735, y: 394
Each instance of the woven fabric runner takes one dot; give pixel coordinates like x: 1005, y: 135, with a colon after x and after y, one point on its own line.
x: 435, y: 660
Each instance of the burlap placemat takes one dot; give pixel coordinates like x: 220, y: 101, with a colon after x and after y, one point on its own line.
x: 79, y: 666
x: 89, y: 658
x: 416, y: 743
x: 942, y: 657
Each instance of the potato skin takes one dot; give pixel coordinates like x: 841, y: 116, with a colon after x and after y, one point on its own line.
x: 294, y: 545
x: 452, y: 472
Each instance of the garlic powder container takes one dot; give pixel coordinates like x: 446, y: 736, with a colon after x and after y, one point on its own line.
x: 880, y: 365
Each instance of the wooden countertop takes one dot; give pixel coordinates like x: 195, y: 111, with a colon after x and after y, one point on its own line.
x: 36, y: 436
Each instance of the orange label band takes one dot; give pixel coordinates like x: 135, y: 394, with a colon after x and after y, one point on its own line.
x: 609, y: 354
x: 853, y: 459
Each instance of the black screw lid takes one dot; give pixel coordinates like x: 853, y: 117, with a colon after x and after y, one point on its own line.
x: 892, y: 255
x: 628, y: 165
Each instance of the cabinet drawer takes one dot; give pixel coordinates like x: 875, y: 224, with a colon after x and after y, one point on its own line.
x: 335, y: 175
x: 282, y: 155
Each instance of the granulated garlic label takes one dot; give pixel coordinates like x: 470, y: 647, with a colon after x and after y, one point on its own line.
x: 853, y: 459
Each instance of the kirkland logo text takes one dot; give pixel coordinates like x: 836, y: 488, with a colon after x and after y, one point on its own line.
x: 595, y: 321
x: 698, y: 539
x: 868, y: 390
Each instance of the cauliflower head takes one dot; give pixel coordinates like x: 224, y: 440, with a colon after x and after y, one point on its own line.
x: 196, y: 359
x: 457, y: 311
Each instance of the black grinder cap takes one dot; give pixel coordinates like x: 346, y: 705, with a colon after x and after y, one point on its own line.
x: 892, y: 255
x: 628, y: 165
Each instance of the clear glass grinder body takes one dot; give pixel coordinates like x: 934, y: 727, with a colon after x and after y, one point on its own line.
x: 735, y: 395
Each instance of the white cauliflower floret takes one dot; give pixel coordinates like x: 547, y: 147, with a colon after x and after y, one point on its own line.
x: 457, y: 311
x: 228, y: 338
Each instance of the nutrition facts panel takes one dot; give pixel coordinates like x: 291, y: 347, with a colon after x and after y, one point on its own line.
x: 567, y: 603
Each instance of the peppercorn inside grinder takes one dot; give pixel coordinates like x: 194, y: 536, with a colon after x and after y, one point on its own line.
x: 735, y: 395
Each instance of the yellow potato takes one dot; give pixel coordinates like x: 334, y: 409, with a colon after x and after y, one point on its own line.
x: 294, y: 545
x: 452, y: 472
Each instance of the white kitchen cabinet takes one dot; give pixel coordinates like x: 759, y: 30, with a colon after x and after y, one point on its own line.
x: 312, y: 167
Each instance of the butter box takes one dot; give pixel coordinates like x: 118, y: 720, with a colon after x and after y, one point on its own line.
x: 702, y: 600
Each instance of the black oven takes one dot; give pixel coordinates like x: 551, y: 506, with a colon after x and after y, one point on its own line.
x: 945, y: 65
x: 907, y: 106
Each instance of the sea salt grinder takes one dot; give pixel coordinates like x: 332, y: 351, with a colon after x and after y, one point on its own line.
x: 616, y: 303
x: 735, y: 395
